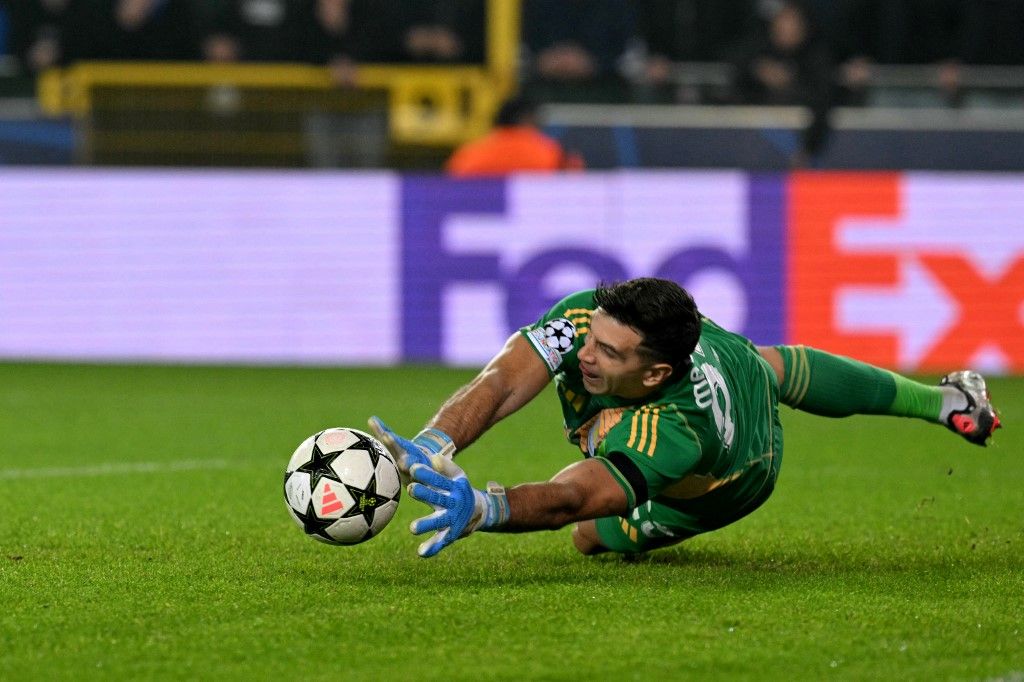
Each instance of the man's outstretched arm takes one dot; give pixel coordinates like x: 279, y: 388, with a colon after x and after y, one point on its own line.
x: 584, y: 490
x: 511, y: 379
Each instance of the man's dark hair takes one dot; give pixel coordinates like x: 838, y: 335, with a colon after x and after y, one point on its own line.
x: 662, y: 313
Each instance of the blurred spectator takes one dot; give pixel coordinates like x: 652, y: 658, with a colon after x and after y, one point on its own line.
x: 786, y: 64
x: 37, y: 33
x: 345, y: 32
x: 130, y: 29
x: 687, y: 31
x: 897, y: 32
x: 515, y: 144
x: 445, y: 31
x: 575, y: 47
x: 259, y: 30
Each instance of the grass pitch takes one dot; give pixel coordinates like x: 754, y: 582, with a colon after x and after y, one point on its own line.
x: 143, y: 536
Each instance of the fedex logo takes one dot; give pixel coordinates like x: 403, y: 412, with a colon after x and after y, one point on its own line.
x: 481, y: 258
x: 910, y: 271
x: 914, y: 271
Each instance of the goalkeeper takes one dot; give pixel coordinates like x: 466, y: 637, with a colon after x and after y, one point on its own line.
x: 677, y: 420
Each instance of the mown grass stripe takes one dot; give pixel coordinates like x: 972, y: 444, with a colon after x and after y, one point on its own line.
x: 114, y: 469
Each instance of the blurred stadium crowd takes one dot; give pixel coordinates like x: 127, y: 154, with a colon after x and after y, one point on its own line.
x: 774, y: 51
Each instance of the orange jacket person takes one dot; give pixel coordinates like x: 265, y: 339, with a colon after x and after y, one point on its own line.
x: 515, y: 144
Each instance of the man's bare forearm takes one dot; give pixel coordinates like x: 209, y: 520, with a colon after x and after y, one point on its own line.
x: 581, y: 491
x: 509, y: 381
x: 543, y: 506
x: 470, y: 411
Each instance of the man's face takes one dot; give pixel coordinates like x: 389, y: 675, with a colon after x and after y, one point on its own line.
x: 610, y: 363
x: 788, y: 29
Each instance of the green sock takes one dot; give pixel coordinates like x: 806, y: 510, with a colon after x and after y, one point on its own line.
x: 914, y: 399
x: 836, y: 386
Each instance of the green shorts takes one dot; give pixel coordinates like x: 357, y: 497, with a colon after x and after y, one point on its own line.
x: 653, y: 525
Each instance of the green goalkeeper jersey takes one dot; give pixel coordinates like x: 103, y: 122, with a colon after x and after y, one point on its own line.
x: 708, y: 444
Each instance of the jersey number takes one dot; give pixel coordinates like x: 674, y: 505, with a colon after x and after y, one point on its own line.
x: 709, y: 390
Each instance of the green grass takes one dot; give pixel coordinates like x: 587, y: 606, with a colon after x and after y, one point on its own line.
x: 890, y: 549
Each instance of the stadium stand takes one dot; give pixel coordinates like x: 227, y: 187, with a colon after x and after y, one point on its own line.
x: 369, y: 83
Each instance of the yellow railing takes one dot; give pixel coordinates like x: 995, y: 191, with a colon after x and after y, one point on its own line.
x: 427, y: 105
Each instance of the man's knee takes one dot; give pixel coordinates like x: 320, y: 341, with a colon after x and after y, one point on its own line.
x: 586, y: 539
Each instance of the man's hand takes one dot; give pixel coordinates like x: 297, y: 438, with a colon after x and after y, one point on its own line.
x: 416, y: 451
x: 460, y: 509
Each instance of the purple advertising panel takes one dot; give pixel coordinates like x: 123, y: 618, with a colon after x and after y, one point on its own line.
x: 915, y: 271
x: 482, y: 258
x: 199, y: 266
x: 344, y: 268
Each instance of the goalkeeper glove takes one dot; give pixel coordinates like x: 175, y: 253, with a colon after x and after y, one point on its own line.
x: 459, y: 508
x: 419, y: 450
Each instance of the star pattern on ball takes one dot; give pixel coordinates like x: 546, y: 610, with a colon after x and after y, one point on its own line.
x: 364, y: 443
x: 367, y: 501
x: 319, y: 466
x: 313, y: 524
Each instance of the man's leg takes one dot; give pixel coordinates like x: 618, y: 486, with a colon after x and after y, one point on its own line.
x: 834, y: 386
x: 586, y: 539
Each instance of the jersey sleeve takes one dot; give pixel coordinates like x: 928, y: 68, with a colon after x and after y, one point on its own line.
x: 558, y: 334
x: 652, y: 448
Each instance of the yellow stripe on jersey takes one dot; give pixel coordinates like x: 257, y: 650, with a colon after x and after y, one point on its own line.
x: 580, y: 319
x: 791, y: 371
x: 632, y: 429
x: 805, y: 382
x: 696, y: 485
x: 645, y: 414
x: 796, y: 372
x: 578, y: 315
x: 800, y: 375
x: 643, y: 433
x: 577, y: 401
x: 796, y: 375
x: 581, y: 323
x: 654, y: 433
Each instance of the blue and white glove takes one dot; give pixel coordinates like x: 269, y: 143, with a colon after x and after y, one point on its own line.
x: 419, y: 450
x: 460, y: 509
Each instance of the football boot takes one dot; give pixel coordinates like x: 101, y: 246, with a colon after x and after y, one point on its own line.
x: 978, y: 420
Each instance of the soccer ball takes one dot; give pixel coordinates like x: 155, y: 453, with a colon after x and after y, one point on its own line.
x: 341, y: 486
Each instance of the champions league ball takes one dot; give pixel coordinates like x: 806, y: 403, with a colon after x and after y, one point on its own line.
x: 341, y: 486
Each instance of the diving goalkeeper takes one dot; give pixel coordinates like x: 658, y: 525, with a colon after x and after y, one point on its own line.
x: 676, y: 418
